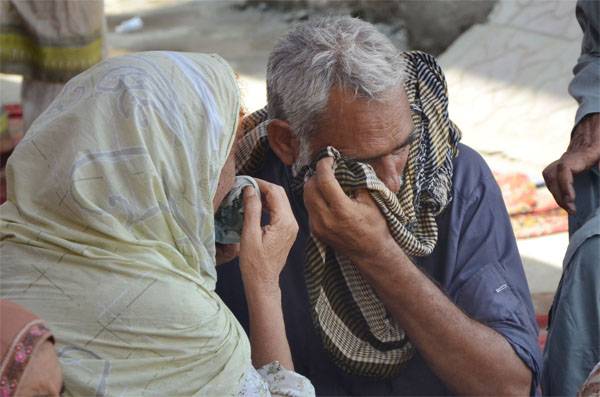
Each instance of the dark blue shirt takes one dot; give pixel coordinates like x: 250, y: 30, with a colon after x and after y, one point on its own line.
x: 475, y: 262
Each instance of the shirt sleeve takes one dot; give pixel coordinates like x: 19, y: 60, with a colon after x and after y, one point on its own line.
x: 586, y: 80
x: 490, y: 284
x: 573, y: 345
x: 285, y: 383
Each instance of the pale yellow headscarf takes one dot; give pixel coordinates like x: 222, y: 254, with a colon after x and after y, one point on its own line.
x: 108, y: 230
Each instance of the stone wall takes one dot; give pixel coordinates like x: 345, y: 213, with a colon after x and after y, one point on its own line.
x: 431, y: 25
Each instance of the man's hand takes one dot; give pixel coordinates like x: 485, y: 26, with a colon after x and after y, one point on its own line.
x: 352, y: 226
x: 582, y: 154
x: 474, y: 359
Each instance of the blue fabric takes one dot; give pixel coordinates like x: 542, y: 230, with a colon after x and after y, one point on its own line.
x: 586, y: 81
x: 573, y: 344
x: 587, y: 198
x: 484, y: 277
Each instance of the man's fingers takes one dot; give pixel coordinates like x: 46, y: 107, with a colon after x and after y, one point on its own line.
x: 363, y: 196
x: 559, y: 180
x: 316, y: 206
x: 566, y: 169
x: 552, y: 183
x: 252, y: 214
x: 564, y: 177
x: 313, y: 199
x: 329, y: 186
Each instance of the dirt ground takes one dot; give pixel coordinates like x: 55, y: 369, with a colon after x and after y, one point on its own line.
x: 244, y: 36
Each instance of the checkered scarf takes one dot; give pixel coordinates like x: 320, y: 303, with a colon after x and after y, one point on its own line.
x: 361, y: 337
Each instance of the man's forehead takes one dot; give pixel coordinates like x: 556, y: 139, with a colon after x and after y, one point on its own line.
x: 365, y: 128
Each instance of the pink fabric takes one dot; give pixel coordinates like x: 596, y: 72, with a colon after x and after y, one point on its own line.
x: 21, y: 333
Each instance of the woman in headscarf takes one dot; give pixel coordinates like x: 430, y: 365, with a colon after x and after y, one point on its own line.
x: 29, y: 363
x: 108, y: 234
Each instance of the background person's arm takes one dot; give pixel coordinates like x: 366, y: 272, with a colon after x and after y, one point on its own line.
x: 263, y: 253
x: 585, y: 86
x: 583, y: 152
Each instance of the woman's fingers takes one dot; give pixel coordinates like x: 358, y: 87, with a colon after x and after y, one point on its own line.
x: 263, y: 250
x: 226, y: 252
x: 252, y: 214
x: 275, y: 202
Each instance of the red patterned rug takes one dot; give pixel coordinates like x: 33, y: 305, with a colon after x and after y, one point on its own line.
x: 533, y: 211
x: 11, y: 121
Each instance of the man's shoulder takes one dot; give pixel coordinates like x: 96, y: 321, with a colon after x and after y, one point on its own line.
x: 472, y: 175
x: 272, y: 170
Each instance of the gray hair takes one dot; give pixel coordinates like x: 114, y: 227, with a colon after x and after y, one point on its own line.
x: 324, y: 53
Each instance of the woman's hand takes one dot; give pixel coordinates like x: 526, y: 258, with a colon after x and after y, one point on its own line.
x: 226, y: 252
x: 264, y: 250
x: 263, y: 253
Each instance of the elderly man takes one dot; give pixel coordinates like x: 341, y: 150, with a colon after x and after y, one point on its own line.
x: 573, y: 346
x: 412, y: 286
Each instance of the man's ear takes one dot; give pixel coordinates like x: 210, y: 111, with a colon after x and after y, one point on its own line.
x: 283, y: 141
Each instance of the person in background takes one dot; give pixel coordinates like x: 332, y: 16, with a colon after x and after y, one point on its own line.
x: 48, y: 42
x: 29, y: 366
x: 573, y: 344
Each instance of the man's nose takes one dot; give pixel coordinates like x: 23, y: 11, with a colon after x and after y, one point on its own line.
x: 390, y: 174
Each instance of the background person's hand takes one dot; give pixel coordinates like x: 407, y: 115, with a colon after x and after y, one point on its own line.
x: 582, y: 154
x: 264, y: 250
x: 354, y: 226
